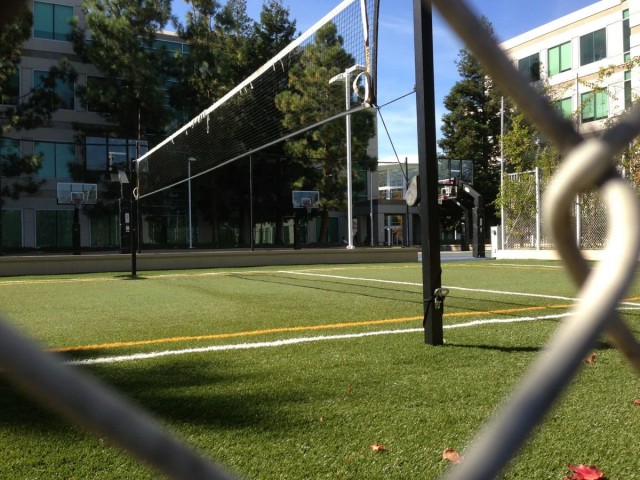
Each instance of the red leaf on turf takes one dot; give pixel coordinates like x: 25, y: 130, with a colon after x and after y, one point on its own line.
x: 377, y: 447
x: 452, y: 455
x: 637, y: 401
x: 590, y: 359
x: 585, y: 472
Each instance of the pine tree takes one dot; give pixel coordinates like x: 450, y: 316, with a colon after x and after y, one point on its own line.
x: 471, y: 129
x: 323, y: 149
x: 134, y: 71
x: 34, y: 109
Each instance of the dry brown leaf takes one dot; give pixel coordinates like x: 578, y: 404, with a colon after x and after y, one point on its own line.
x: 590, y: 359
x: 452, y: 455
x: 377, y: 447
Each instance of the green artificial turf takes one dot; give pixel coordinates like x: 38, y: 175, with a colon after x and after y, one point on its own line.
x: 313, y: 409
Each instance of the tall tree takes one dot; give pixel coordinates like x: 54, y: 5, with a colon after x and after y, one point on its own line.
x: 134, y: 71
x: 272, y: 33
x: 32, y: 110
x: 471, y: 129
x: 323, y: 149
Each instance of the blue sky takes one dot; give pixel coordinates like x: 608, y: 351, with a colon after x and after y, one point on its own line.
x: 396, y: 70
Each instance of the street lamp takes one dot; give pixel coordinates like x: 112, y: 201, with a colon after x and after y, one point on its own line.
x: 346, y: 78
x: 190, y: 159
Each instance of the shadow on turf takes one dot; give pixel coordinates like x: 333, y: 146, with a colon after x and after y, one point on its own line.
x: 601, y: 345
x: 201, y: 394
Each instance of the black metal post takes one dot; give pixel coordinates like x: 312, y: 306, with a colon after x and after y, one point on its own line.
x: 133, y: 179
x: 75, y: 241
x: 1, y: 253
x: 252, y: 226
x: 407, y: 241
x: 428, y: 167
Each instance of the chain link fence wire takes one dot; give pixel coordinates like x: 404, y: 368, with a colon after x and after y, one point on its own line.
x: 587, y: 168
x: 526, y: 225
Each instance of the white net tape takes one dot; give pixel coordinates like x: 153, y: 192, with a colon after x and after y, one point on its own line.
x: 247, y: 119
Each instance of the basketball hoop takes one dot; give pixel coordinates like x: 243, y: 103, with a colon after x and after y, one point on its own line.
x: 78, y: 198
x: 306, y: 203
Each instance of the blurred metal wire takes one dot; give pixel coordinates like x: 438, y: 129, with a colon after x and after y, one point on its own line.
x: 588, y: 165
x: 86, y: 402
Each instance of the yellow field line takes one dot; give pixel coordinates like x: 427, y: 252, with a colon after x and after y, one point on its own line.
x: 268, y: 331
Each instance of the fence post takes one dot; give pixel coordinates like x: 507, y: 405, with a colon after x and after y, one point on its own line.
x: 578, y: 223
x: 538, y: 209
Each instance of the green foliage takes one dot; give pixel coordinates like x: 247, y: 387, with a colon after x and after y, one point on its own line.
x: 135, y: 72
x: 306, y: 101
x: 471, y: 129
x: 225, y: 47
x: 32, y: 110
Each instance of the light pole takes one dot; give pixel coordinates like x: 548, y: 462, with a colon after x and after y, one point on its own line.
x: 191, y: 159
x: 346, y: 78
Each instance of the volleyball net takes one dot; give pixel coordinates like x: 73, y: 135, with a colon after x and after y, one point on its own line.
x: 251, y: 117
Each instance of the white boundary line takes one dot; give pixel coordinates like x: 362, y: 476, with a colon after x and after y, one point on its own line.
x: 296, y: 341
x: 415, y: 284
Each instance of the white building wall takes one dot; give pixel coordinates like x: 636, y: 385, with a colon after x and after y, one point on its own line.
x: 580, y: 79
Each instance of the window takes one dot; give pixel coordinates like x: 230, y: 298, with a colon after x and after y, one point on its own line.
x: 593, y: 46
x: 628, y: 96
x: 560, y: 58
x: 56, y: 159
x: 530, y: 67
x: 54, y: 228
x: 94, y: 84
x: 105, y: 231
x: 565, y: 107
x: 63, y: 89
x: 9, y: 154
x: 102, y: 152
x: 11, y: 228
x: 51, y: 21
x: 10, y: 89
x: 626, y: 36
x: 595, y: 106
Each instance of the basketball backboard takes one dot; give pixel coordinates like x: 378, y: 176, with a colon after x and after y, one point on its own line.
x: 306, y: 199
x: 77, y: 193
x: 460, y: 170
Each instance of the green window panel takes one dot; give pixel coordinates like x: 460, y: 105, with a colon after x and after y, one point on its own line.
x: 595, y: 106
x: 54, y: 228
x: 593, y: 46
x: 559, y: 58
x: 626, y: 32
x: 51, y: 21
x: 105, y: 231
x: 12, y: 228
x: 10, y: 89
x: 56, y: 159
x: 65, y: 90
x: 628, y: 95
x: 530, y: 67
x: 565, y: 107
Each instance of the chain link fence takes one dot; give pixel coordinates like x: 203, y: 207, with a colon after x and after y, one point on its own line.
x: 526, y: 227
x: 587, y: 167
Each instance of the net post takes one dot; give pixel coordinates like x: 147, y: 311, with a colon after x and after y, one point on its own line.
x: 134, y: 217
x: 428, y: 168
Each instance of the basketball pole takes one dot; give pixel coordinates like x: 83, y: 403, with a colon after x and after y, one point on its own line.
x: 428, y: 170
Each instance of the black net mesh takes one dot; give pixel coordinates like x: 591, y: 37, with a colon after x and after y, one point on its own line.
x: 250, y: 117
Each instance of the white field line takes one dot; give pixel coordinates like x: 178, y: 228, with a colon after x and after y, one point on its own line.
x: 296, y: 341
x: 415, y: 284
